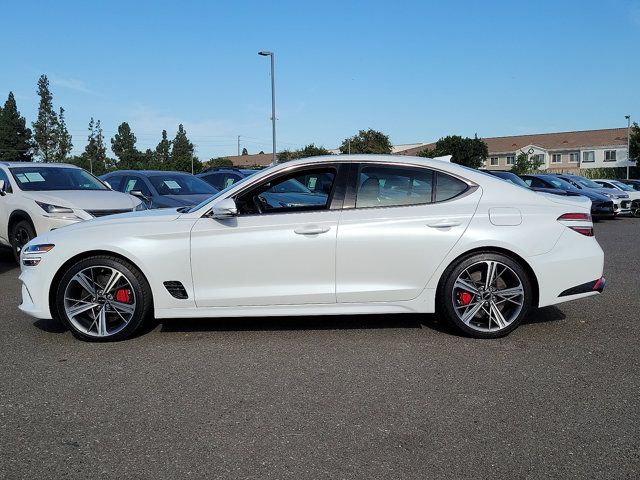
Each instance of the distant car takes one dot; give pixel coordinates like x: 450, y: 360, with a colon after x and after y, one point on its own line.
x: 634, y: 194
x: 160, y: 189
x: 635, y: 184
x: 36, y: 198
x: 516, y: 180
x: 601, y: 205
x: 621, y: 201
x: 224, y: 177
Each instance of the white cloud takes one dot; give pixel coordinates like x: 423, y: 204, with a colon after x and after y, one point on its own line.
x: 71, y: 84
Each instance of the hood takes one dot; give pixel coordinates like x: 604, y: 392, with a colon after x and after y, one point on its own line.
x: 183, y: 200
x: 592, y: 194
x: 611, y: 191
x: 85, y: 199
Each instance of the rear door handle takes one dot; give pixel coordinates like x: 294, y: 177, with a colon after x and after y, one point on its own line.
x: 311, y: 230
x: 444, y: 224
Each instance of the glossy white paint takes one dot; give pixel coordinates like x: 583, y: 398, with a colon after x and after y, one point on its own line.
x: 339, y: 261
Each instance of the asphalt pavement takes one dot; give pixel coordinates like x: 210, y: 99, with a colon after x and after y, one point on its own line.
x: 366, y: 397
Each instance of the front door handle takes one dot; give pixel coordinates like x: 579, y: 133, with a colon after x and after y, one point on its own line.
x: 444, y: 224
x: 311, y: 230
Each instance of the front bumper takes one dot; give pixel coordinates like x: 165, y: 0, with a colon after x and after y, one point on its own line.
x: 602, y: 209
x: 621, y: 207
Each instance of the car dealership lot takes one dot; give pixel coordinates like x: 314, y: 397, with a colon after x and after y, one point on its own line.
x: 339, y: 397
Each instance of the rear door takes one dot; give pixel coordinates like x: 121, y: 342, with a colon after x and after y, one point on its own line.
x: 398, y: 224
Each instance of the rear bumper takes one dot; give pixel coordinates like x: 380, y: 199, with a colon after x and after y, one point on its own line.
x: 589, y: 287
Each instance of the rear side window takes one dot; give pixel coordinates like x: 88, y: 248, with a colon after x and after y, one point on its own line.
x: 448, y: 187
x: 382, y: 186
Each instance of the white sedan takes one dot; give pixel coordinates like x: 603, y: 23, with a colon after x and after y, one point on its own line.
x: 368, y: 234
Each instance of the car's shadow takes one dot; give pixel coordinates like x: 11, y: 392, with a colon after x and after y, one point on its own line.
x: 328, y: 322
x: 7, y: 262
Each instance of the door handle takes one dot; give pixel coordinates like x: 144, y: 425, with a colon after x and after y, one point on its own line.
x: 444, y: 224
x: 311, y: 230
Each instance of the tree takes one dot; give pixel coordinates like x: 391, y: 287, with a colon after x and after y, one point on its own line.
x: 308, y: 151
x: 524, y: 164
x: 15, y: 138
x: 182, y: 153
x: 45, y: 127
x: 95, y: 152
x: 367, y: 141
x: 471, y: 152
x: 245, y: 151
x: 123, y: 145
x: 63, y: 143
x: 218, y: 162
x: 163, y: 150
x: 634, y: 143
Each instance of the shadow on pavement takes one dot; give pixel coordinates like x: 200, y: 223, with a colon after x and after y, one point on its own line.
x: 7, y: 261
x: 50, y: 326
x: 545, y: 314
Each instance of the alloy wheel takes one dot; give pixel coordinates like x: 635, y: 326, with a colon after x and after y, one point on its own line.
x: 99, y: 301
x: 21, y: 237
x: 488, y: 296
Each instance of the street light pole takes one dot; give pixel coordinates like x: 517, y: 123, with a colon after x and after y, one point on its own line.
x: 273, y: 102
x: 628, y: 117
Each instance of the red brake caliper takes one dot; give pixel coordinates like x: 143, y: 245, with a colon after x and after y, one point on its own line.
x: 465, y: 298
x: 123, y: 295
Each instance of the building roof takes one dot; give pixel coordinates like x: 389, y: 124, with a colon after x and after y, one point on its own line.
x: 257, y: 159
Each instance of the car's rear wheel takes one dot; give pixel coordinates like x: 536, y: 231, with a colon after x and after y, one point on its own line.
x: 22, y: 232
x: 102, y: 298
x: 485, y: 295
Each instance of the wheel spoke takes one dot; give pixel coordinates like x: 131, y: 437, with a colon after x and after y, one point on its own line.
x: 85, y: 282
x: 491, y: 274
x: 472, y: 312
x: 113, y: 280
x: 122, y: 307
x: 510, y: 293
x: 102, y: 322
x: 464, y: 285
x: 80, y: 308
x: 497, y: 316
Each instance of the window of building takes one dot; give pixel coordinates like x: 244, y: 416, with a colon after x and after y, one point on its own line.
x: 556, y: 158
x: 494, y: 161
x: 589, y: 156
x: 538, y: 158
x: 574, y: 157
x: 609, y: 155
x: 511, y: 159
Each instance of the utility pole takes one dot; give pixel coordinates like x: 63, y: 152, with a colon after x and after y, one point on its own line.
x: 238, y: 145
x: 628, y: 117
x: 273, y: 103
x: 349, y: 146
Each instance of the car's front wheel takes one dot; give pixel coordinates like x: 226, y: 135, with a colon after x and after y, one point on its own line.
x: 102, y: 298
x: 485, y: 295
x: 22, y: 232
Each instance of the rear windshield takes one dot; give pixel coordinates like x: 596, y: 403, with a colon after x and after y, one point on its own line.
x: 181, y: 185
x: 55, y: 178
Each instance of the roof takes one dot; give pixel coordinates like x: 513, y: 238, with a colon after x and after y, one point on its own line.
x: 38, y: 164
x: 548, y: 141
x: 145, y: 172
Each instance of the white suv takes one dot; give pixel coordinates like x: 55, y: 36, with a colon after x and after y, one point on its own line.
x: 38, y: 197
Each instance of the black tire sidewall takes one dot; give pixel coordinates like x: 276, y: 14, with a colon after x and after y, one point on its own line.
x: 446, y: 308
x: 29, y: 228
x: 132, y: 274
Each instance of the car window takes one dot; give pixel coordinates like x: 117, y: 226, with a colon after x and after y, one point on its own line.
x: 175, y: 184
x: 623, y: 186
x: 287, y: 193
x: 229, y: 179
x: 7, y: 183
x: 389, y: 186
x: 115, y: 181
x: 136, y: 183
x: 530, y: 182
x: 36, y: 178
x: 448, y: 187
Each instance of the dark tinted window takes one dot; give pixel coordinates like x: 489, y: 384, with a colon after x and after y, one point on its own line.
x: 115, y: 181
x: 136, y: 183
x: 222, y: 180
x: 7, y: 183
x: 172, y: 184
x: 448, y: 187
x: 55, y: 178
x: 387, y: 186
x: 287, y: 193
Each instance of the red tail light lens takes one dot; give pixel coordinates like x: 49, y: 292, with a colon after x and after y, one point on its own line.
x: 575, y: 217
x: 586, y: 231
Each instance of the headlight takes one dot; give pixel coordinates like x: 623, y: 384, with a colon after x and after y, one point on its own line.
x: 140, y: 207
x: 609, y: 195
x: 30, y: 253
x: 56, y: 211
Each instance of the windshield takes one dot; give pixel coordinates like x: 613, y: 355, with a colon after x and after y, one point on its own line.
x: 39, y: 178
x: 219, y: 194
x: 559, y: 183
x: 585, y: 182
x: 171, y: 184
x: 511, y: 177
x: 623, y: 186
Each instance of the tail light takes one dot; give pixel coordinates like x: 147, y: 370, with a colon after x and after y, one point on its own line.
x: 578, y: 217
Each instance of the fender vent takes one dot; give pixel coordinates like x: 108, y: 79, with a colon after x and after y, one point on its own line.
x: 176, y: 289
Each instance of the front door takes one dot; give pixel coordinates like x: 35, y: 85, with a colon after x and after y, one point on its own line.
x: 279, y: 250
x: 401, y: 224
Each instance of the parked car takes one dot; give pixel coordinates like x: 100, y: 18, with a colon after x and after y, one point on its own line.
x: 635, y: 184
x: 223, y: 177
x: 160, y: 189
x: 36, y: 198
x: 601, y: 205
x: 516, y: 180
x: 394, y: 234
x: 621, y: 201
x: 634, y: 194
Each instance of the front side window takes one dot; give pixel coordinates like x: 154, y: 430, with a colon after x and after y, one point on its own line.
x: 288, y: 193
x: 589, y: 156
x: 55, y: 178
x: 115, y: 182
x: 136, y: 184
x: 610, y: 156
x: 7, y: 184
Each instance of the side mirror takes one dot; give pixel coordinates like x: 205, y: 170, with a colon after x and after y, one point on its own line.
x: 139, y: 194
x: 2, y: 189
x: 224, y: 209
x: 108, y: 185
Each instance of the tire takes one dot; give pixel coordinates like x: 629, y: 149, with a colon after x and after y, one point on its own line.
x: 480, y: 312
x: 102, y: 299
x: 22, y: 232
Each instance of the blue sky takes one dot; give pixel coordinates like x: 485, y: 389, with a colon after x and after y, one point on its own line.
x: 415, y: 70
